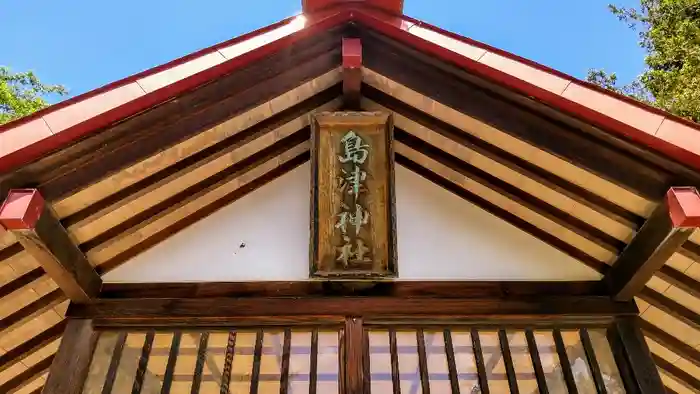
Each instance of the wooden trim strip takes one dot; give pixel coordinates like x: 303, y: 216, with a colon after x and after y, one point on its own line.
x: 257, y: 359
x: 366, y: 368
x: 422, y: 362
x: 143, y: 362
x: 201, y: 358
x: 32, y: 310
x: 669, y: 341
x: 508, y: 362
x: 503, y: 214
x: 564, y: 362
x: 479, y: 361
x: 671, y: 307
x: 228, y: 362
x: 394, y: 354
x: 25, y: 377
x: 313, y: 362
x: 592, y: 361
x: 684, y: 378
x: 284, y: 367
x: 226, y: 308
x: 536, y: 362
x: 240, y: 192
x: 172, y: 361
x: 306, y: 288
x: 513, y: 162
x: 21, y: 281
x: 114, y: 363
x: 533, y: 203
x: 31, y: 345
x: 679, y: 279
x: 451, y: 362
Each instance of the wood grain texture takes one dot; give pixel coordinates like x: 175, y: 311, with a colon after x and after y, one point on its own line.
x: 50, y: 244
x: 353, y: 363
x: 638, y: 355
x: 72, y: 361
x: 332, y: 203
x: 650, y: 249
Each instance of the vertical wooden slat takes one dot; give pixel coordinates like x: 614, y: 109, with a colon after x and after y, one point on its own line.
x: 638, y: 355
x: 479, y: 360
x: 564, y: 362
x: 592, y: 361
x: 228, y: 362
x: 422, y: 361
x: 284, y: 368
x: 71, y: 364
x: 536, y: 362
x: 394, y: 353
x: 143, y: 362
x: 342, y: 368
x: 172, y: 360
x: 199, y: 367
x: 508, y: 362
x: 257, y: 358
x: 354, y: 334
x: 451, y: 364
x: 114, y: 363
x: 366, y: 370
x: 313, y: 362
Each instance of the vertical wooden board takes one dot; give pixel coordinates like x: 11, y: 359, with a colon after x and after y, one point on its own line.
x: 360, y: 226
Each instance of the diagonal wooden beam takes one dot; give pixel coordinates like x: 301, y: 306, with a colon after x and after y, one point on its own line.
x: 352, y: 72
x: 30, y: 219
x: 663, y: 234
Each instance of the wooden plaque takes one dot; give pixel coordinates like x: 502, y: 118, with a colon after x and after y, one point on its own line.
x: 353, y: 220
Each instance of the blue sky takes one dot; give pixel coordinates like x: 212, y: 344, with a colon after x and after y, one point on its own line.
x: 86, y: 44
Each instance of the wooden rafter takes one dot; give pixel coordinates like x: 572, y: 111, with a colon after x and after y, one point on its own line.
x: 663, y: 234
x: 26, y: 215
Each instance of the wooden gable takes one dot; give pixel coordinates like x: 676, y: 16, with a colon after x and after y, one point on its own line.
x: 131, y: 166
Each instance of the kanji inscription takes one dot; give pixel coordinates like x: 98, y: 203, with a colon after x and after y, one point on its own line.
x: 352, y: 209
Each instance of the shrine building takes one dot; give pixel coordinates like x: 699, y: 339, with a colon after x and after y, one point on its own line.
x: 350, y: 201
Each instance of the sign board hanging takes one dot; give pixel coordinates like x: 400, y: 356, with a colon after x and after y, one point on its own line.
x: 353, y: 214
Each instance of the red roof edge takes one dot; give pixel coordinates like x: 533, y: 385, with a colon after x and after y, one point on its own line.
x: 145, y: 73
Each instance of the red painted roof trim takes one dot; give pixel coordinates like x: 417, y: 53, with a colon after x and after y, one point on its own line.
x: 683, y: 146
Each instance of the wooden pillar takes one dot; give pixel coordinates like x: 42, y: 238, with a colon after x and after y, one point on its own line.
x: 633, y: 357
x: 71, y: 364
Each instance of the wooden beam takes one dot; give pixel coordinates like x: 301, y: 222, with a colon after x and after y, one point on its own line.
x: 29, y: 218
x: 663, y: 234
x: 218, y: 310
x: 447, y: 289
x: 72, y: 361
x: 638, y: 355
x: 352, y: 72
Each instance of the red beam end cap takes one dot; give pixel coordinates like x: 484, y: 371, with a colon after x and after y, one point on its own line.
x: 684, y: 206
x: 21, y: 209
x: 352, y: 53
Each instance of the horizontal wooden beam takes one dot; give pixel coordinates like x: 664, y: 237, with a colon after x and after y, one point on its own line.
x: 446, y: 289
x: 663, y: 234
x: 220, y: 309
x: 352, y: 72
x: 26, y: 215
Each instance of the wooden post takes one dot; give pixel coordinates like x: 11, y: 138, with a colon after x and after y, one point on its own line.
x: 72, y: 362
x: 354, y: 370
x: 633, y: 357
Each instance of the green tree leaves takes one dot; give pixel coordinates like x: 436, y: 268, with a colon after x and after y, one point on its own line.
x: 23, y: 93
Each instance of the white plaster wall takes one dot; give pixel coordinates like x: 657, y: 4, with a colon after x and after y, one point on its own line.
x: 440, y: 236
